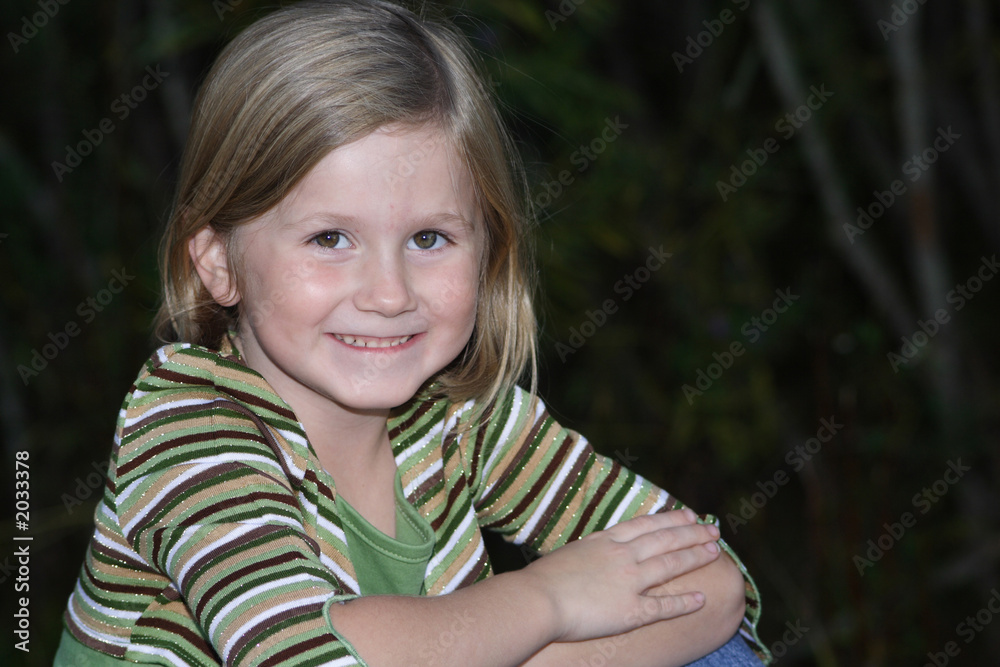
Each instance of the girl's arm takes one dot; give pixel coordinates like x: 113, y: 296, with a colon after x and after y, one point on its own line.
x: 591, y: 588
x: 677, y: 641
x: 542, y: 486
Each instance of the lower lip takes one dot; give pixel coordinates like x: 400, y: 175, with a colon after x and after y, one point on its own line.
x: 381, y: 350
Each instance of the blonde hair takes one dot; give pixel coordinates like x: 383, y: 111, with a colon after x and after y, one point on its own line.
x: 314, y: 76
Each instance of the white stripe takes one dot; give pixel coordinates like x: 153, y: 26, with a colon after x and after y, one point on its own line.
x: 160, y: 652
x: 170, y: 405
x: 269, y: 612
x: 117, y: 548
x: 419, y: 479
x: 632, y: 493
x: 222, y: 614
x: 455, y: 537
x: 661, y: 501
x: 465, y: 569
x: 555, y: 485
x: 342, y: 662
x: 416, y: 447
x: 231, y: 536
x: 151, y: 503
x: 107, y: 611
x: 512, y: 420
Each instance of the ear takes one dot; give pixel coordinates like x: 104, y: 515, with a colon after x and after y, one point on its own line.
x: 208, y: 253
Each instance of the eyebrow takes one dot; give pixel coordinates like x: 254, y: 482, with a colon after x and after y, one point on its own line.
x: 337, y: 220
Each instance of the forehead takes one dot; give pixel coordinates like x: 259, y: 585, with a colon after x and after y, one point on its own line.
x: 391, y: 175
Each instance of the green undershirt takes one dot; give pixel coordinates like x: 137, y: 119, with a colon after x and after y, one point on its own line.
x: 386, y: 565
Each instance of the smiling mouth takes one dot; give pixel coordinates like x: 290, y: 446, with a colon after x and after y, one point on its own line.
x: 370, y: 342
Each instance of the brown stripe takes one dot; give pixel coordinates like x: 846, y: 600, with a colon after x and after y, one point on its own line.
x: 194, y: 639
x: 88, y: 641
x: 128, y: 431
x: 526, y: 441
x: 253, y: 566
x: 120, y: 588
x: 252, y: 635
x: 475, y: 457
x: 608, y: 482
x: 547, y: 474
x: 449, y: 504
x: 254, y: 534
x: 205, y: 475
x: 244, y: 396
x: 561, y: 493
x: 176, y: 443
x: 421, y: 410
x: 180, y: 378
x: 292, y: 651
x: 482, y: 563
x: 436, y: 478
x: 116, y: 556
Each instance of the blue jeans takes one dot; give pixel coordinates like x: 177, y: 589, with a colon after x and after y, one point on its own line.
x: 735, y: 653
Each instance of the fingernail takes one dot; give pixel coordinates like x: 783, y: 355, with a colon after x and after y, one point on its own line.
x: 690, y: 514
x: 712, y: 547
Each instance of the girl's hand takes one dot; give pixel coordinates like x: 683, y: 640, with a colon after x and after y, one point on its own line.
x: 598, y: 584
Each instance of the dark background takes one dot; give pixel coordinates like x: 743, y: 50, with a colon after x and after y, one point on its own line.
x: 563, y: 72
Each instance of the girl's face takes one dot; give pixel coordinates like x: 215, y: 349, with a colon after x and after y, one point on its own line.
x: 361, y: 284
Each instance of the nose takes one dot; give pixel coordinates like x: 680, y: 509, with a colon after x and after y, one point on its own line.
x: 384, y: 286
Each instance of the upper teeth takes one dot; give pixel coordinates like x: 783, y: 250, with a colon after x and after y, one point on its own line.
x: 372, y: 342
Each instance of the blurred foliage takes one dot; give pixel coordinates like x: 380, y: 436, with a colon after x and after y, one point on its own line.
x: 561, y: 78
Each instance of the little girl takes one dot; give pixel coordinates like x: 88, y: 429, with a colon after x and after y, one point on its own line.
x: 302, y: 477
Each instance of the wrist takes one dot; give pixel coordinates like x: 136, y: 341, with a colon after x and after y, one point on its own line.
x: 538, y: 601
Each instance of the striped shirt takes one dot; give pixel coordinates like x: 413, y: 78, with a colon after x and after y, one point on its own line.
x: 217, y: 540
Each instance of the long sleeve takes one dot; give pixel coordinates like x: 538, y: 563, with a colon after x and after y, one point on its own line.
x: 202, y: 554
x: 541, y: 485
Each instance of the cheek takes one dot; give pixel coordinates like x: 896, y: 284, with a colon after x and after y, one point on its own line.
x: 454, y: 295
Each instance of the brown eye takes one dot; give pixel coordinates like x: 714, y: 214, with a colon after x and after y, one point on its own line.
x: 328, y: 239
x: 425, y: 240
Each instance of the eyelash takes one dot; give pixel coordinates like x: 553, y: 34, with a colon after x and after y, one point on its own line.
x: 333, y: 232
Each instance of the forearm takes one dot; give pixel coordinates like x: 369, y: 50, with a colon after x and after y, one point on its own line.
x: 676, y: 641
x: 498, y: 622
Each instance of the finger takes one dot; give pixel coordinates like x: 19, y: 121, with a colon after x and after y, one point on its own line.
x: 654, y: 608
x: 641, y: 525
x: 673, y: 539
x: 667, y: 567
